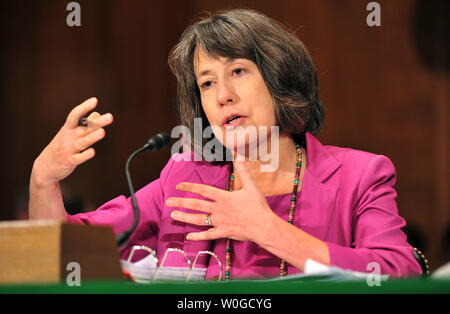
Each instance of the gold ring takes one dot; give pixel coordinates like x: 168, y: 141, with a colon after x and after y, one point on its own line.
x: 208, y: 220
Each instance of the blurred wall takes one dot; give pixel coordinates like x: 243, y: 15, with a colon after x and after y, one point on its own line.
x: 385, y: 89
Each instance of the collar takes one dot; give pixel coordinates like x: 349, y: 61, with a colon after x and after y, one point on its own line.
x: 320, y: 162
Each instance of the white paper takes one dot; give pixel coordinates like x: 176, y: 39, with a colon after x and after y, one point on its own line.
x: 146, y: 270
x: 442, y: 272
x: 313, y: 267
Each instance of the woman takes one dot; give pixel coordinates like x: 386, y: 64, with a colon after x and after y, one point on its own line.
x: 235, y: 70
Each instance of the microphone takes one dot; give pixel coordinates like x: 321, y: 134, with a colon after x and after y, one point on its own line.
x: 157, y: 142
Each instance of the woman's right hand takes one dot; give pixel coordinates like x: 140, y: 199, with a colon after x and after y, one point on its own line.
x: 71, y: 146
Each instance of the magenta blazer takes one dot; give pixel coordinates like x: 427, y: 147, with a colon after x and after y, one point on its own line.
x: 347, y: 200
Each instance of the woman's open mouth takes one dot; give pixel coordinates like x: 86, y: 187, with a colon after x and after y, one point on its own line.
x: 234, y: 121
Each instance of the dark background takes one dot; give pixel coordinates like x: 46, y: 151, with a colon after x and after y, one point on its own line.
x: 385, y: 90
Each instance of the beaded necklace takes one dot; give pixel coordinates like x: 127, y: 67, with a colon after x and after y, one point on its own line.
x: 283, y: 270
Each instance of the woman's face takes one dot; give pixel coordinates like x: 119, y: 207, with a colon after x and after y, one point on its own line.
x: 233, y: 94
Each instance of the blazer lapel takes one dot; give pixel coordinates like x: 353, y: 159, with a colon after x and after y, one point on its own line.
x: 319, y: 161
x: 318, y: 197
x: 319, y: 190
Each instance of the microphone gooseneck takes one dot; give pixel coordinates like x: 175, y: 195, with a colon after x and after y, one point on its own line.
x: 157, y: 142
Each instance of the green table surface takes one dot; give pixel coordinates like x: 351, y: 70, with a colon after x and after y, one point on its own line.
x: 285, y: 286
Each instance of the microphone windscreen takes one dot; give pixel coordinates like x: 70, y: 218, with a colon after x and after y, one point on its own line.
x: 159, y: 141
x: 165, y: 138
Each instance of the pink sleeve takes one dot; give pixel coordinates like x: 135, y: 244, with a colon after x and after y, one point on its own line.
x: 376, y: 226
x: 118, y: 212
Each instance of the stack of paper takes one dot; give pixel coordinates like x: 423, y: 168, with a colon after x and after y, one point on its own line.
x: 322, y: 273
x: 146, y: 270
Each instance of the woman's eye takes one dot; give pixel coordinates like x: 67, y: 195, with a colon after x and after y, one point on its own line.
x: 206, y: 84
x: 238, y: 71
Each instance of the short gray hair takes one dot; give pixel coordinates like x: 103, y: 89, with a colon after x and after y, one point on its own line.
x: 281, y: 57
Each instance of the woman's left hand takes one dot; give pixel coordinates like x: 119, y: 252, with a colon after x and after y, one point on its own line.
x: 242, y: 215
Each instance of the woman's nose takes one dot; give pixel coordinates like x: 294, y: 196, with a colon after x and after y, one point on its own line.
x: 226, y: 93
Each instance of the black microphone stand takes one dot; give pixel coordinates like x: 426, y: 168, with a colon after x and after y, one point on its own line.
x: 157, y: 142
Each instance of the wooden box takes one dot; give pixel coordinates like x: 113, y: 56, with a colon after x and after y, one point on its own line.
x: 39, y: 251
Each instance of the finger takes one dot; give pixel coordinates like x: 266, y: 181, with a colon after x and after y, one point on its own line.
x: 94, y: 115
x: 87, y: 124
x: 95, y: 122
x: 195, y: 219
x: 80, y: 111
x: 244, y: 175
x: 210, y: 234
x: 201, y: 189
x: 190, y: 203
x: 103, y: 120
x: 79, y: 158
x: 84, y: 142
